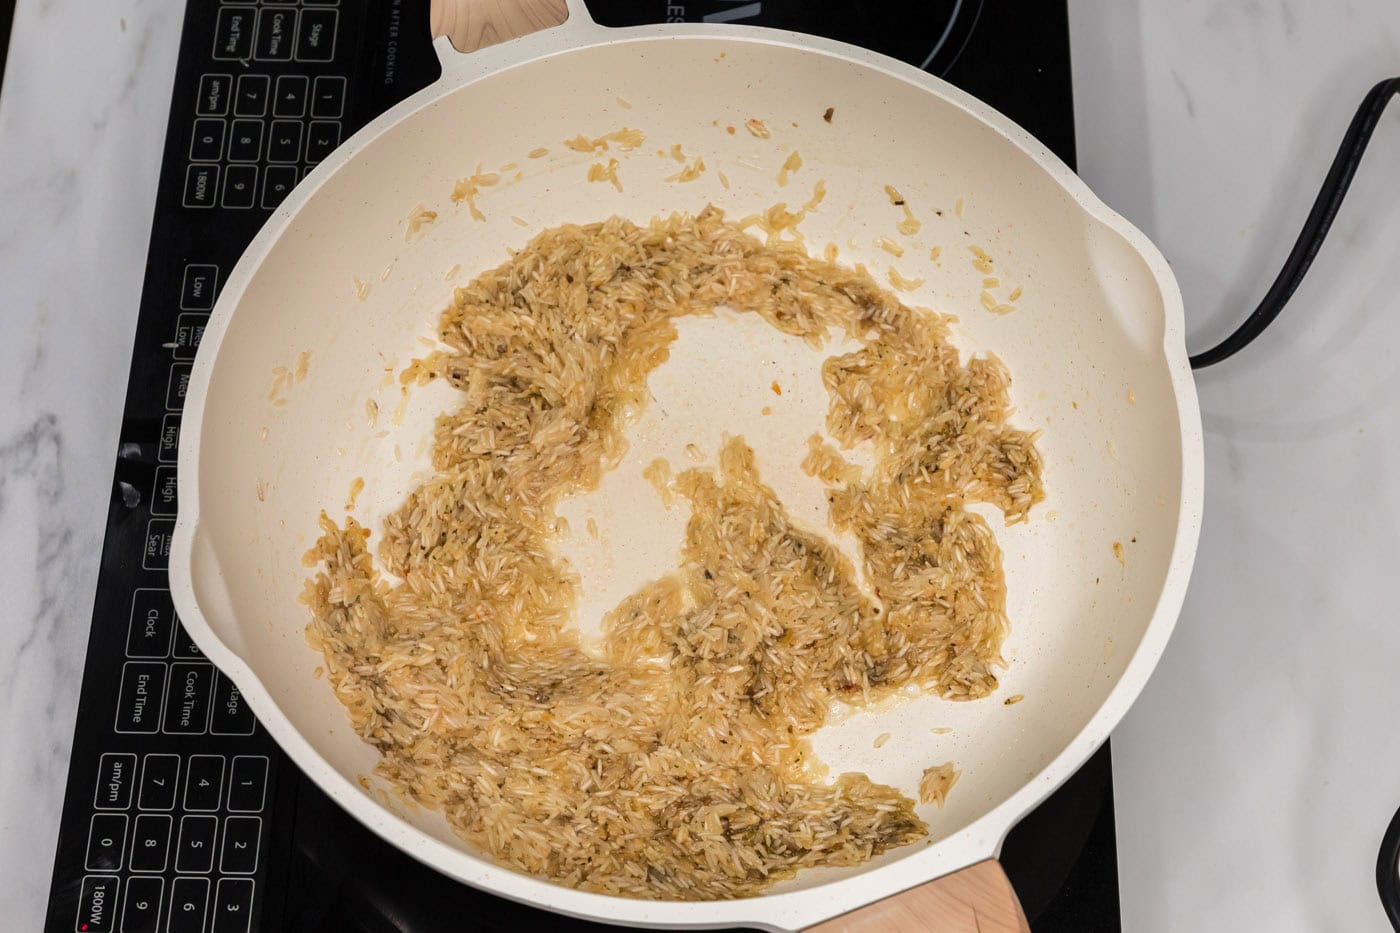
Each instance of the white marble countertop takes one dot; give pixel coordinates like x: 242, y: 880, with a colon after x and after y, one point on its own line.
x: 1257, y: 772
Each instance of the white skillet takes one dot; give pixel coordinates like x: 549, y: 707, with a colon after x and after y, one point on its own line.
x: 1095, y: 579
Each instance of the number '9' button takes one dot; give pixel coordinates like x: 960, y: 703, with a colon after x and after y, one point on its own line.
x: 142, y: 911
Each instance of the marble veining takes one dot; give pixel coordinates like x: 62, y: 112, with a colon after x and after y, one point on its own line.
x: 82, y: 115
x: 1257, y: 772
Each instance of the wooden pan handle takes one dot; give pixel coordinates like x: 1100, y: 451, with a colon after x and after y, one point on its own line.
x: 978, y: 899
x: 474, y: 24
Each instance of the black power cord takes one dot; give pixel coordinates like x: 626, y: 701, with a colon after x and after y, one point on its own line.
x: 1388, y: 871
x: 1324, y: 211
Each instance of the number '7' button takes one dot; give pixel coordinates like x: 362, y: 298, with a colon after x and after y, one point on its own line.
x: 158, y: 778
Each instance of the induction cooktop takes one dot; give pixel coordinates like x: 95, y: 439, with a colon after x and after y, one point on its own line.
x: 181, y: 814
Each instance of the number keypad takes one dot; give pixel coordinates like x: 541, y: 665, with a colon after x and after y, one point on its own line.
x: 170, y: 827
x: 258, y: 133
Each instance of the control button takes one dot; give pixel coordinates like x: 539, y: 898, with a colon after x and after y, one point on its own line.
x: 150, y: 842
x: 245, y: 142
x: 233, y: 905
x: 187, y: 699
x: 152, y: 618
x: 278, y: 182
x: 189, y: 331
x: 160, y: 775
x: 195, y: 852
x: 290, y: 98
x: 189, y: 898
x: 321, y: 139
x: 275, y: 30
x: 199, y: 287
x: 231, y: 713
x: 214, y: 92
x: 247, y: 784
x: 138, y: 700
x: 201, y: 184
x: 240, y: 186
x: 177, y: 385
x: 207, y: 141
x: 239, y: 855
x: 328, y: 97
x: 97, y: 904
x: 284, y: 145
x: 316, y: 37
x: 233, y: 34
x: 184, y: 644
x: 251, y: 99
x: 164, y: 494
x: 142, y: 911
x: 106, y: 842
x: 116, y: 775
x: 169, y: 448
x: 159, y: 533
x: 204, y: 782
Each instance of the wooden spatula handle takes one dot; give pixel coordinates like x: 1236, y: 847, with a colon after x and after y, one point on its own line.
x: 474, y: 24
x: 978, y: 899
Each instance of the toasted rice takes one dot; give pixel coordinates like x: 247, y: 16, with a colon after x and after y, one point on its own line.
x: 676, y: 764
x: 937, y: 782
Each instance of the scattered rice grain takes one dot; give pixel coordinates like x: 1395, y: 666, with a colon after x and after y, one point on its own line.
x: 937, y: 782
x: 600, y: 172
x: 790, y: 165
